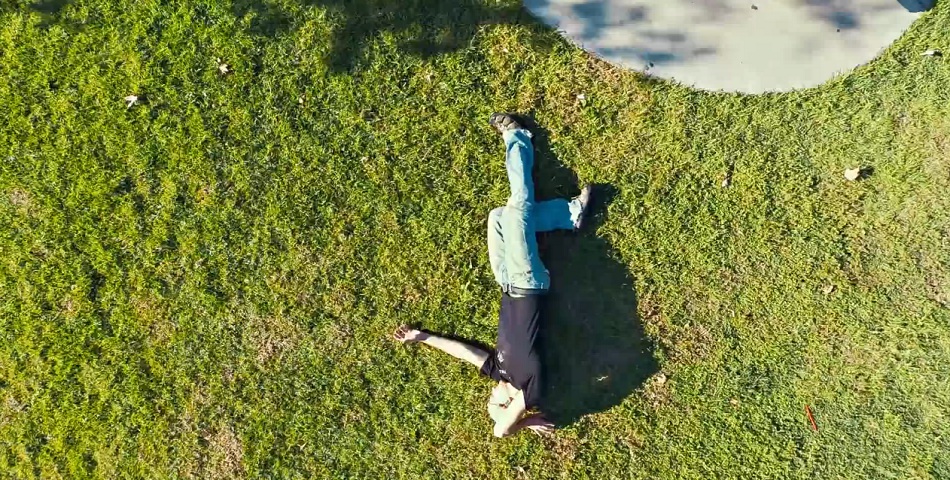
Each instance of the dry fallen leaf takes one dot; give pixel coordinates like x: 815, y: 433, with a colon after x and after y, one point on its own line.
x: 932, y: 53
x: 734, y: 402
x: 852, y: 173
x: 828, y: 289
x: 581, y: 97
x: 224, y: 68
x: 131, y: 99
x: 660, y: 379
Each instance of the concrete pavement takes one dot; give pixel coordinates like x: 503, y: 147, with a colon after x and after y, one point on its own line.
x: 750, y: 46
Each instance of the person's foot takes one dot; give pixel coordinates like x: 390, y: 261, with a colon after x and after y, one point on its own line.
x: 585, y: 200
x: 405, y: 334
x: 504, y: 122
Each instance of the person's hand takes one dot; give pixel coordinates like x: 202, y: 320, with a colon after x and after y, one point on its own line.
x: 405, y: 334
x: 538, y: 424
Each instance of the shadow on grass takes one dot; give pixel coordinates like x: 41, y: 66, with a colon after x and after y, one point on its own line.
x: 50, y: 11
x: 595, y: 351
x: 424, y: 27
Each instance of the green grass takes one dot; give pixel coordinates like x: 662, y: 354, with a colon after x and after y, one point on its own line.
x: 202, y: 285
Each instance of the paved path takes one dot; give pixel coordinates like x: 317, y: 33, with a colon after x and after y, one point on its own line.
x: 749, y: 46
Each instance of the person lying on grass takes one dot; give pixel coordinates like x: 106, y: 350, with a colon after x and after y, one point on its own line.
x: 516, y: 264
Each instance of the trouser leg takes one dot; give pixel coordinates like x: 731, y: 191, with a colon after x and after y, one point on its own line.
x: 523, y: 265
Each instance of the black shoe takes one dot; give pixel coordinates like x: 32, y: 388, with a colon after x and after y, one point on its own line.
x: 585, y: 199
x: 504, y: 122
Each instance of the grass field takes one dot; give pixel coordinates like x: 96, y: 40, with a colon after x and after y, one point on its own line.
x: 203, y: 284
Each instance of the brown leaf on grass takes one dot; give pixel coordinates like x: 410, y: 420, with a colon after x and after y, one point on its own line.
x: 69, y: 307
x: 269, y: 337
x: 852, y: 174
x: 274, y: 343
x: 228, y: 375
x: 9, y: 409
x: 938, y: 290
x: 657, y: 390
x: 336, y: 336
x: 693, y: 343
x: 152, y: 314
x: 565, y: 448
x: 937, y: 278
x: 186, y: 429
x: 205, y: 194
x: 20, y: 199
x: 686, y: 344
x: 337, y: 302
x: 828, y: 289
x: 225, y: 454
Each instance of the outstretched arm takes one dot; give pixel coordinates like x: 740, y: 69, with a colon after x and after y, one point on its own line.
x: 460, y: 350
x: 537, y: 423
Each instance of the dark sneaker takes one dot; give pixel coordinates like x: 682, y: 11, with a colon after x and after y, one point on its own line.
x: 504, y: 122
x: 585, y: 200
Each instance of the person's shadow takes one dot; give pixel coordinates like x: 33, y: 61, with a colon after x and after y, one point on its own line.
x: 594, y: 348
